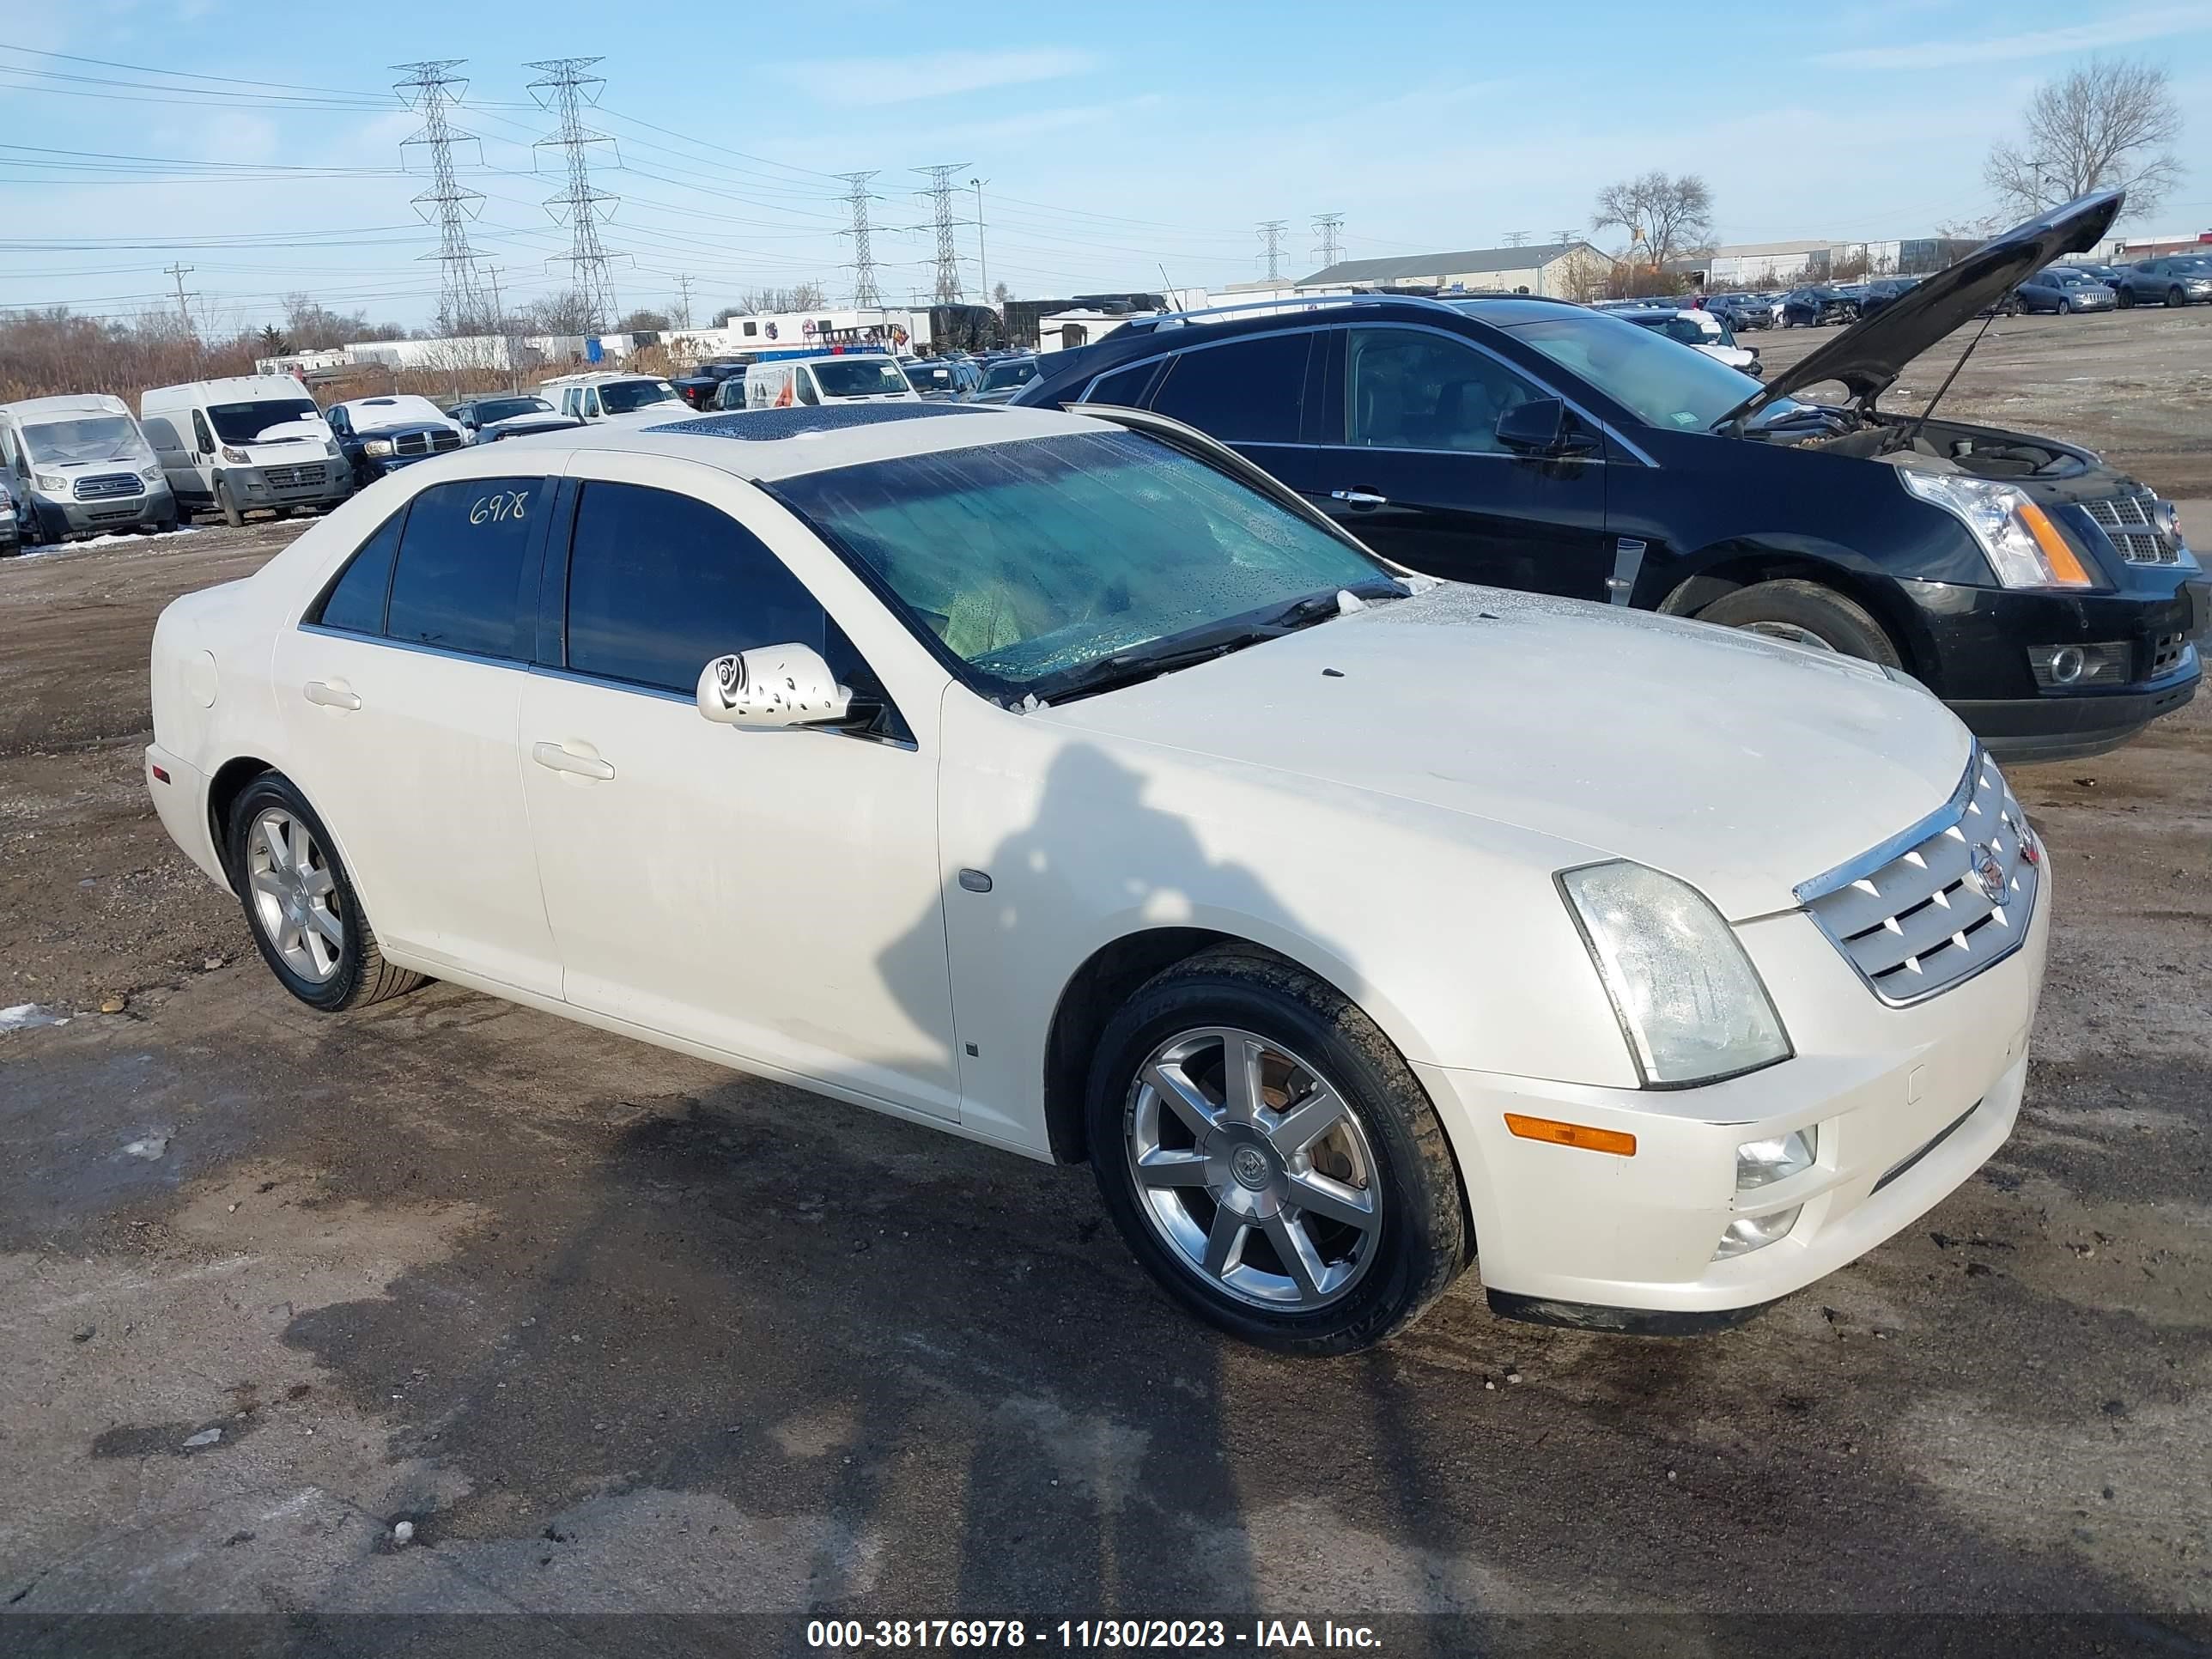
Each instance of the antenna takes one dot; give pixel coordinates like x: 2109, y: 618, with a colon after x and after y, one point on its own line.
x: 430, y: 86
x: 581, y: 206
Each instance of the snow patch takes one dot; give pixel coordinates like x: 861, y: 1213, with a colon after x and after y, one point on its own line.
x: 29, y: 1016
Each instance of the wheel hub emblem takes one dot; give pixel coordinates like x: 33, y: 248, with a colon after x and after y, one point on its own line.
x: 1989, y: 874
x: 1250, y: 1165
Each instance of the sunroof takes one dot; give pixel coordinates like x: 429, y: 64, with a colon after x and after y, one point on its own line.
x: 763, y: 425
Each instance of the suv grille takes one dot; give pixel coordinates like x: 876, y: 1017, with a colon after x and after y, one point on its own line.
x: 2127, y: 520
x: 1918, y: 918
x: 424, y: 443
x: 107, y: 485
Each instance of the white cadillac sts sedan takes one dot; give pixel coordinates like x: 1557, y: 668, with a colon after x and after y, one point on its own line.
x: 1065, y: 783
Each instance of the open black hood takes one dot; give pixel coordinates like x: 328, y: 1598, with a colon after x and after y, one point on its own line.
x: 1867, y: 356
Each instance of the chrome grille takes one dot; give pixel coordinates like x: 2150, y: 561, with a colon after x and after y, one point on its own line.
x: 292, y: 477
x: 108, y: 485
x: 442, y: 441
x: 411, y: 443
x: 1917, y: 918
x: 2127, y: 520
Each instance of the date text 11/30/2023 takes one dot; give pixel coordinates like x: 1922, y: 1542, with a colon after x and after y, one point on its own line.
x: 1259, y: 1636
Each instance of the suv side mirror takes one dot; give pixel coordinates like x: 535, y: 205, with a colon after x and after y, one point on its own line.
x: 1542, y: 427
x: 771, y: 687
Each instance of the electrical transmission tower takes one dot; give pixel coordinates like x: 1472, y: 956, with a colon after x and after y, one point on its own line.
x: 865, y: 291
x: 948, y: 291
x: 1271, y: 232
x: 1329, y: 227
x: 429, y: 87
x: 1516, y: 239
x: 564, y: 89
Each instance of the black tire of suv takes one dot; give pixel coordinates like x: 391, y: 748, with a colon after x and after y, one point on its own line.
x: 2124, y: 297
x: 1423, y: 1241
x: 2065, y: 306
x: 227, y: 507
x: 2177, y: 296
x: 363, y: 976
x: 1842, y: 623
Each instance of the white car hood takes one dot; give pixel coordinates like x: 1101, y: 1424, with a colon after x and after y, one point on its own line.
x: 1740, y: 764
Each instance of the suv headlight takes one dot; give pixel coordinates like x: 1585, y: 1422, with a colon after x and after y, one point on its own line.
x: 1689, y: 1001
x: 377, y: 446
x: 53, y: 483
x: 2024, y: 548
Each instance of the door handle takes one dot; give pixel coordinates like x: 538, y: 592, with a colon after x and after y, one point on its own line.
x: 330, y: 696
x: 562, y: 760
x: 1358, y: 498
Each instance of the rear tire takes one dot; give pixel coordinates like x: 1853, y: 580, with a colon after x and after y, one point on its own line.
x: 227, y: 507
x: 1340, y: 1119
x: 1805, y: 613
x: 299, y: 904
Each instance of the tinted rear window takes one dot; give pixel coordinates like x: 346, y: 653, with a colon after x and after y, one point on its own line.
x: 459, y: 582
x: 1250, y: 390
x: 355, y: 600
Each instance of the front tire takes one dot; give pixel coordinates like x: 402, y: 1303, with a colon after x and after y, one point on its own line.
x: 2176, y: 296
x: 1805, y: 613
x: 2065, y: 306
x: 2125, y: 298
x: 1269, y: 1157
x: 227, y: 507
x: 299, y: 904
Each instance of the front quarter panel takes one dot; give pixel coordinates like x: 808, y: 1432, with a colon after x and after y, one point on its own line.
x: 1447, y: 930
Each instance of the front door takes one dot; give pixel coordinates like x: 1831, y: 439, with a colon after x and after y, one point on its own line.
x: 399, y: 693
x: 1410, y: 463
x: 773, y: 896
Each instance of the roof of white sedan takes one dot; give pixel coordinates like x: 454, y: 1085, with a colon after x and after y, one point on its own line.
x: 782, y: 443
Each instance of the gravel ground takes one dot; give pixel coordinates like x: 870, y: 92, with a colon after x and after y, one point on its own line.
x: 616, y: 1331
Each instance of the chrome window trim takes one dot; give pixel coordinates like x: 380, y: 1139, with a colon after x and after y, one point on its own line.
x: 1885, y: 852
x: 1168, y: 350
x: 519, y: 663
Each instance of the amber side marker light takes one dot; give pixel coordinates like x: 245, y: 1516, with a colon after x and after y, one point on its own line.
x: 1571, y: 1134
x: 2066, y: 568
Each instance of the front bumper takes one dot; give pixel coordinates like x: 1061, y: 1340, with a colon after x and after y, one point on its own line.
x: 1571, y: 1236
x: 1981, y: 638
x: 303, y: 483
x: 105, y: 515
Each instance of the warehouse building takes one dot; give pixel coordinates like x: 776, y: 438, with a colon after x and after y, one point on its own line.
x: 1564, y: 271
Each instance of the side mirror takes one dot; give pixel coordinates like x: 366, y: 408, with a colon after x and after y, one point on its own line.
x: 771, y: 687
x: 1541, y: 425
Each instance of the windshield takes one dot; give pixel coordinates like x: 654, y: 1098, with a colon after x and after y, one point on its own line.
x: 620, y: 397
x: 1000, y: 376
x: 1686, y: 391
x: 1028, y: 559
x: 860, y: 377
x: 93, y: 438
x: 503, y: 408
x: 243, y: 423
x: 928, y: 376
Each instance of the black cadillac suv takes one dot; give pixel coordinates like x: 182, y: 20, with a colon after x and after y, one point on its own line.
x: 2049, y: 599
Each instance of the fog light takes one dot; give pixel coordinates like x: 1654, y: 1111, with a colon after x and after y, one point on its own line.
x: 2060, y: 666
x: 1762, y: 1162
x: 1748, y: 1233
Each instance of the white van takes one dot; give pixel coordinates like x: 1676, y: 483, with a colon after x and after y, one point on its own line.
x: 248, y: 441
x: 851, y: 377
x: 81, y: 466
x: 597, y: 397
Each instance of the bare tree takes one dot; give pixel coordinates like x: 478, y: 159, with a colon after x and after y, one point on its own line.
x: 643, y: 321
x: 1666, y: 218
x: 2110, y: 124
x: 769, y: 302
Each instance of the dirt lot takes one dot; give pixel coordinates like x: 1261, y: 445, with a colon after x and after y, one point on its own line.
x: 616, y: 1331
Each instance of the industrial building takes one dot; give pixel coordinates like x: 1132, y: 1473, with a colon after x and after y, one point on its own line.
x: 1564, y: 270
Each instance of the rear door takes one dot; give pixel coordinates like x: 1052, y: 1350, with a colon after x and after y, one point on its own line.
x: 400, y: 691
x: 1250, y: 393
x: 1408, y: 460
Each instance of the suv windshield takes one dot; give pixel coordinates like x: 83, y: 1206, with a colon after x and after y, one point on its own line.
x: 244, y: 423
x: 1641, y: 371
x: 860, y: 377
x: 620, y: 397
x: 1030, y: 559
x: 94, y: 438
x: 503, y: 408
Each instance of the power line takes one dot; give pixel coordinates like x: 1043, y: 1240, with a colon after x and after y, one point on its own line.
x: 565, y: 80
x: 1271, y: 232
x: 1329, y: 227
x: 431, y: 87
x: 948, y: 291
x: 865, y: 291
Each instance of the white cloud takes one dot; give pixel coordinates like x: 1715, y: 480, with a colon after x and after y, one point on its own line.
x: 871, y: 80
x: 2150, y: 23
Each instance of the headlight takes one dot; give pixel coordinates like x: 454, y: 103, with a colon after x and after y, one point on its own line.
x: 1762, y: 1163
x: 1689, y: 1001
x: 151, y: 474
x: 2024, y: 547
x: 53, y: 483
x: 377, y: 446
x: 235, y: 457
x: 331, y: 448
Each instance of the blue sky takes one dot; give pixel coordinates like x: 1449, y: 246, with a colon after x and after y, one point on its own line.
x: 1114, y: 141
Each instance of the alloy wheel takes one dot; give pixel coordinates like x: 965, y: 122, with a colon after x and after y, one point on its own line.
x: 296, y: 898
x: 1254, y: 1169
